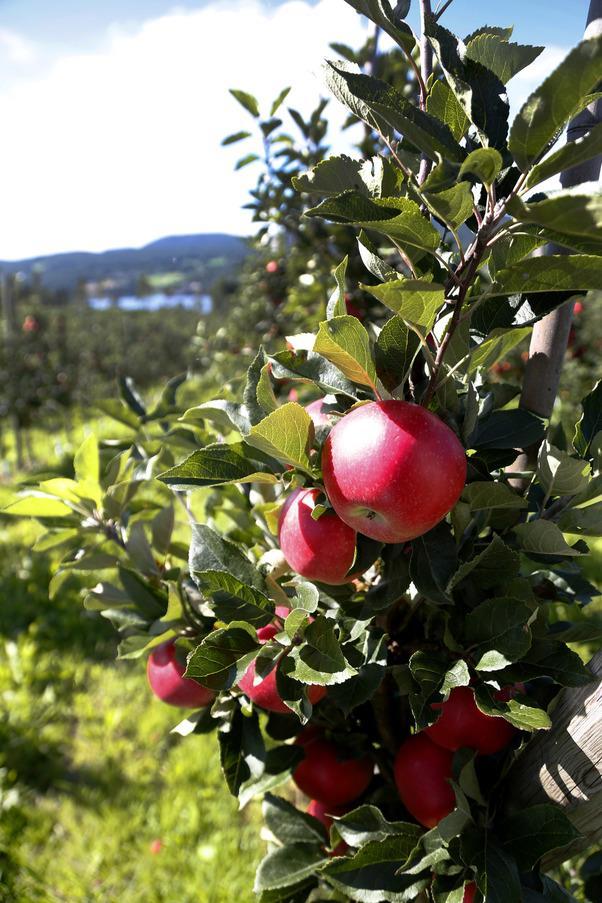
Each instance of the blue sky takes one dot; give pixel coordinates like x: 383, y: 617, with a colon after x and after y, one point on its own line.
x: 113, y: 111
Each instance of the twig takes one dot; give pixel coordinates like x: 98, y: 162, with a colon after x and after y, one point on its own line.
x: 426, y: 69
x: 440, y: 12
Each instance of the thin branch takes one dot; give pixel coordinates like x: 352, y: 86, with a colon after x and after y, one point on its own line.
x: 426, y: 69
x: 440, y: 12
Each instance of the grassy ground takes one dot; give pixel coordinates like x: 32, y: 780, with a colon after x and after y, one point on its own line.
x: 98, y: 802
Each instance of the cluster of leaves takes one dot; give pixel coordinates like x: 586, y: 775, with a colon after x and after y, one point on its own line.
x: 490, y: 597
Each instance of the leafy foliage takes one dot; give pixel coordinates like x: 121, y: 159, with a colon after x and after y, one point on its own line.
x: 472, y: 601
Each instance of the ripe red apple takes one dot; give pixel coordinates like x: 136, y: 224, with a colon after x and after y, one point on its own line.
x: 164, y: 671
x: 462, y: 723
x: 155, y: 846
x: 470, y: 890
x: 264, y: 693
x: 271, y: 266
x: 322, y: 549
x: 314, y: 409
x: 578, y: 308
x: 392, y: 470
x: 324, y: 814
x: 326, y: 776
x: 422, y: 771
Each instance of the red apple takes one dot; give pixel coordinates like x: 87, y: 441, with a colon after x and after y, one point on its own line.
x: 264, y: 693
x: 326, y: 776
x: 322, y: 549
x: 271, y: 266
x: 315, y: 411
x: 155, y: 846
x: 392, y: 470
x: 470, y: 890
x: 461, y: 723
x: 578, y: 308
x: 164, y: 671
x: 324, y: 814
x: 422, y: 771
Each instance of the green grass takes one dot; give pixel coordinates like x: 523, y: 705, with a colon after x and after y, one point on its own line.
x: 90, y: 776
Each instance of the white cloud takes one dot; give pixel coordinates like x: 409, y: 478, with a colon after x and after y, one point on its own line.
x: 16, y: 47
x: 121, y: 146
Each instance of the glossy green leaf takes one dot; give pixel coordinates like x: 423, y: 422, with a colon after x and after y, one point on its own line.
x: 590, y: 423
x: 288, y: 824
x: 481, y: 496
x: 453, y: 205
x: 286, y: 434
x: 234, y: 600
x: 498, y: 625
x: 394, y: 352
x: 209, y: 551
x: 571, y: 154
x: 558, y: 473
x: 443, y: 103
x: 534, y: 831
x: 502, y: 57
x: 336, y: 303
x: 345, y: 342
x: 517, y: 428
x: 371, y: 874
x: 553, y: 104
x: 485, y: 163
x: 498, y: 345
x: 247, y: 101
x: 415, y: 300
x: 288, y: 865
x: 542, y: 537
x: 222, y: 656
x: 217, y: 464
x: 552, y: 273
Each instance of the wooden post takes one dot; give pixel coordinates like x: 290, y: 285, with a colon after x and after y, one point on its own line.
x: 564, y: 765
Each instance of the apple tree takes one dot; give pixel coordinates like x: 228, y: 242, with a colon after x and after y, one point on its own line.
x: 373, y: 591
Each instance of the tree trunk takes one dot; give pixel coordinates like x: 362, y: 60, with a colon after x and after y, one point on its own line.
x: 564, y: 765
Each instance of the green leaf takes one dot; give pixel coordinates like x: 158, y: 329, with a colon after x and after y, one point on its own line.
x: 252, y: 405
x: 342, y: 173
x: 87, y: 461
x: 398, y: 218
x: 222, y: 656
x: 236, y: 136
x: 247, y: 101
x: 525, y: 716
x: 434, y: 560
x: 288, y: 825
x: 242, y: 750
x: 286, y: 434
x: 217, y: 464
x: 443, y: 103
x: 415, y: 300
x: 497, y: 874
x: 389, y: 18
x: 371, y: 260
x: 288, y: 865
x: 567, y: 213
x: 554, y: 659
x: 279, y: 100
x: 225, y: 414
x: 456, y: 676
x: 234, y: 600
x: 244, y: 161
x: 306, y: 366
x: 484, y: 496
x: 550, y: 107
x: 571, y: 154
x: 376, y: 102
x: 36, y: 505
x: 478, y: 90
x: 394, y: 352
x: 558, y: 473
x: 345, y: 342
x: 371, y: 874
x: 453, y: 205
x: 336, y: 303
x: 590, y: 422
x: 503, y: 58
x: 498, y: 344
x: 495, y: 564
x: 498, y: 625
x: 552, y: 273
x: 531, y: 833
x: 517, y: 428
x: 367, y: 824
x: 485, y: 163
x: 209, y: 551
x: 583, y: 521
x: 542, y: 537
x: 320, y: 660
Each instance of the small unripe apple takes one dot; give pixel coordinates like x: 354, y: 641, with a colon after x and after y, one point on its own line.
x: 392, y: 470
x: 165, y: 676
x: 462, y: 724
x: 322, y: 549
x: 264, y: 692
x: 324, y: 815
x: 422, y: 771
x: 326, y: 776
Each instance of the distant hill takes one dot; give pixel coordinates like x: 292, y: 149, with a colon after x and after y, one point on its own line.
x: 175, y: 260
